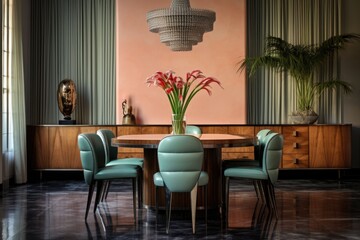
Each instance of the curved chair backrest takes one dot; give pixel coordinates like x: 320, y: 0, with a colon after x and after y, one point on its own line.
x: 180, y: 161
x: 92, y: 154
x: 190, y: 129
x: 272, y: 155
x: 259, y: 149
x: 263, y: 133
x: 110, y: 151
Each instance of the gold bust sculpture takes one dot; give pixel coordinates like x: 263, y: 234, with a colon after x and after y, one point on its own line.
x: 66, y: 96
x: 128, y: 117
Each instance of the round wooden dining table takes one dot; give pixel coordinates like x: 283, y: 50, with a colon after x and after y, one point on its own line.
x: 212, y: 143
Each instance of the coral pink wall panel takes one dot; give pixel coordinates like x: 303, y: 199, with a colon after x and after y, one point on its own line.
x: 140, y: 54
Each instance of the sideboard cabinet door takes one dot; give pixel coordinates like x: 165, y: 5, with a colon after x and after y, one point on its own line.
x: 63, y: 146
x: 330, y: 146
x: 38, y: 147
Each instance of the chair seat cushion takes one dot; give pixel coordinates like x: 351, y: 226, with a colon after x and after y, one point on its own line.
x: 246, y: 172
x: 127, y: 161
x: 203, y: 179
x: 119, y: 171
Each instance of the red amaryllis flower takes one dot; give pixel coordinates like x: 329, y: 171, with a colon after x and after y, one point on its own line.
x: 180, y: 92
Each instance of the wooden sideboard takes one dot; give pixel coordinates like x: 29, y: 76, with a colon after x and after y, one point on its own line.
x: 54, y: 147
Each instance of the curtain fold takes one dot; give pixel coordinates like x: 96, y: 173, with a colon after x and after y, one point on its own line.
x: 271, y: 95
x: 73, y: 39
x: 16, y: 105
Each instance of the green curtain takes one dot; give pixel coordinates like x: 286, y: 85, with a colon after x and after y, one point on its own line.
x: 272, y: 96
x: 13, y: 159
x: 17, y: 96
x: 73, y: 39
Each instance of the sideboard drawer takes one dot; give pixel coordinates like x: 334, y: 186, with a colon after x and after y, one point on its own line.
x: 296, y: 139
x: 295, y: 161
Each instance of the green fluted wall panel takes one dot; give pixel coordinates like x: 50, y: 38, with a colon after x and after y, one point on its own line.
x: 73, y: 39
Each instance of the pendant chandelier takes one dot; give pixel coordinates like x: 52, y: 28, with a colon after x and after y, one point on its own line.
x: 180, y: 26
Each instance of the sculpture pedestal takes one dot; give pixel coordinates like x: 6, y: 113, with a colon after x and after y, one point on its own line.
x: 67, y: 122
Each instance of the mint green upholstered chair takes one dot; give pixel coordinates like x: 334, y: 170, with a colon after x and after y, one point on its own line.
x: 92, y: 155
x: 180, y: 160
x: 266, y: 175
x: 112, y: 159
x: 256, y: 162
x: 193, y: 130
x: 112, y: 152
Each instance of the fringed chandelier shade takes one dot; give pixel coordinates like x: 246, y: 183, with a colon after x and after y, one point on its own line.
x: 180, y: 26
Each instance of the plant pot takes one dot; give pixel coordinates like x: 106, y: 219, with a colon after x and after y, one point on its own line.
x: 298, y: 118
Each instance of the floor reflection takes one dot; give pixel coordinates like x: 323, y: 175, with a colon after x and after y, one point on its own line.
x: 250, y: 216
x: 308, y: 209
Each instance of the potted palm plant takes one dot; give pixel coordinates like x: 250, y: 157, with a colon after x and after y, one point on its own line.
x: 301, y: 62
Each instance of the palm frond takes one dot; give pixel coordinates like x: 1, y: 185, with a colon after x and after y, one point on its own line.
x: 277, y: 46
x: 333, y: 44
x: 253, y: 64
x: 333, y: 84
x: 300, y: 61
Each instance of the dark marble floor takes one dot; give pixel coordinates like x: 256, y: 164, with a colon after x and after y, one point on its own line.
x: 308, y: 209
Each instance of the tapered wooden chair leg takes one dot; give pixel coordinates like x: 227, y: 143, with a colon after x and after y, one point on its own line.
x: 227, y: 182
x: 193, y: 206
x: 104, y: 191
x: 140, y: 188
x: 90, y: 194
x: 206, y: 203
x: 156, y: 201
x: 134, y: 184
x: 168, y: 196
x: 99, y: 192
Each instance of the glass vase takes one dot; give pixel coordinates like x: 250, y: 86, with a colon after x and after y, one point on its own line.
x: 178, y: 124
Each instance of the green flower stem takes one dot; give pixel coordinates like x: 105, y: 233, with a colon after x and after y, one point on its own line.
x: 178, y: 124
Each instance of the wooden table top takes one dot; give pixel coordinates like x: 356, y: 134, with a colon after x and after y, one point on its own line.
x: 208, y: 140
